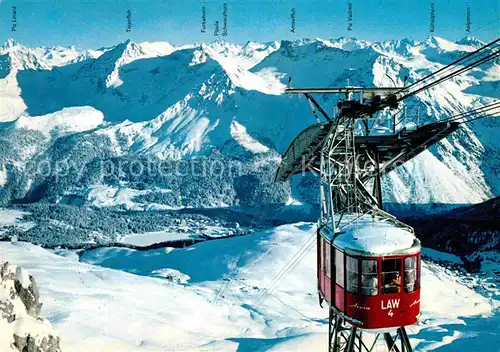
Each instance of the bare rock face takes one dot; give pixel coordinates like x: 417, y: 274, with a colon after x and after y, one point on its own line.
x: 30, y: 344
x: 29, y: 296
x: 21, y: 327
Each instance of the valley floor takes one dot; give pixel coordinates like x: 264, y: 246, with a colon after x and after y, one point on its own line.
x: 224, y: 295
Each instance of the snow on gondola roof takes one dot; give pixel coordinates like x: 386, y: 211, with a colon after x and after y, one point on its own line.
x: 374, y: 236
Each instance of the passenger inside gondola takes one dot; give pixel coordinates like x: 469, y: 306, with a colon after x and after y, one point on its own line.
x: 370, y: 286
x: 396, y: 282
x: 392, y: 283
x: 369, y: 280
x: 410, y: 274
x: 391, y: 278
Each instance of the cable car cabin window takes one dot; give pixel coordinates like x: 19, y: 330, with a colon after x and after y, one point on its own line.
x: 369, y: 277
x: 339, y: 268
x: 328, y: 260
x: 391, y: 277
x: 320, y: 254
x: 352, y: 274
x: 410, y: 274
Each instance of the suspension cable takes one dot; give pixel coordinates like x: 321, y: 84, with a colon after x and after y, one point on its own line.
x: 451, y: 65
x: 481, y: 110
x: 457, y: 72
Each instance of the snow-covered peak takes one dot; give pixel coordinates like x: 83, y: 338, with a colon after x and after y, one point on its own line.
x: 347, y: 43
x: 311, y: 46
x: 298, y: 48
x: 10, y: 43
x: 201, y: 54
x: 127, y: 52
x: 244, y: 56
x: 18, y: 57
x: 470, y: 41
x: 112, y: 60
x: 152, y: 49
x: 235, y: 62
x: 57, y: 56
x: 222, y: 43
x: 446, y: 45
x: 250, y: 45
x: 403, y: 47
x: 44, y: 57
x: 313, y: 62
x: 430, y: 48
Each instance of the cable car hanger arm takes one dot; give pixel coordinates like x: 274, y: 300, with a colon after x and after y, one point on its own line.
x: 340, y: 90
x: 316, y: 106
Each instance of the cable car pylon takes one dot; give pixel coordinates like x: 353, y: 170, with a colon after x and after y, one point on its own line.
x: 359, y: 277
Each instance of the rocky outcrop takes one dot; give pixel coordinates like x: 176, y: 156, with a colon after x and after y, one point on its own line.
x: 21, y: 327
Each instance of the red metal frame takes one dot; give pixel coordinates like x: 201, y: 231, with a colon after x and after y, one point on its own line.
x: 385, y: 310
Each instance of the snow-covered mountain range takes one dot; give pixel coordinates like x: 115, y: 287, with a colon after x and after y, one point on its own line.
x: 136, y: 100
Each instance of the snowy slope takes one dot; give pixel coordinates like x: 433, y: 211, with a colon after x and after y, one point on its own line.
x: 206, y: 297
x: 76, y: 119
x: 9, y: 217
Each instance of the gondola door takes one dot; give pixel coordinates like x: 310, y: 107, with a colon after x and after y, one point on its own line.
x: 321, y: 263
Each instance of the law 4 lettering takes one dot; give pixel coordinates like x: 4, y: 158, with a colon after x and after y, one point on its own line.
x: 391, y: 303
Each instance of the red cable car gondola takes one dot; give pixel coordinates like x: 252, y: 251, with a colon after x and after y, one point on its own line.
x: 368, y: 261
x: 370, y: 273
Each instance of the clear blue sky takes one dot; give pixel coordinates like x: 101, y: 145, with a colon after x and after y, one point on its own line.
x: 93, y: 24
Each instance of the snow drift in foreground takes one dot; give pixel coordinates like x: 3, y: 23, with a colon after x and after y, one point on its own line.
x: 219, y: 296
x: 21, y: 327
